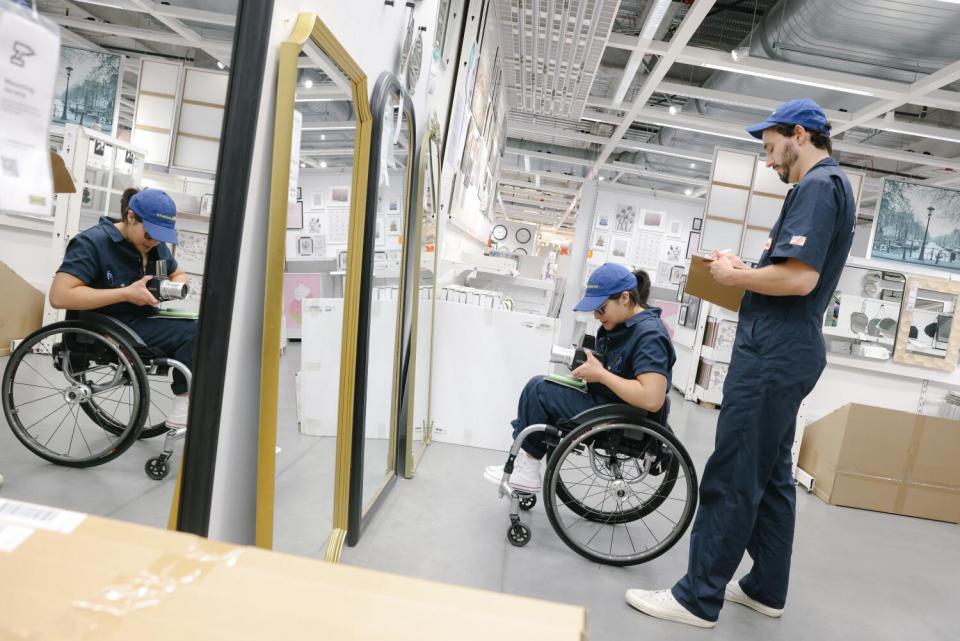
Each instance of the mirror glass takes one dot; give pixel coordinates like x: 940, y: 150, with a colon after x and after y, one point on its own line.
x: 318, y: 220
x: 420, y: 424
x: 931, y: 323
x: 865, y: 313
x: 392, y: 181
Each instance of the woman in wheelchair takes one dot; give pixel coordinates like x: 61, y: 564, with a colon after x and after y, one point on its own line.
x: 106, y: 268
x: 632, y: 365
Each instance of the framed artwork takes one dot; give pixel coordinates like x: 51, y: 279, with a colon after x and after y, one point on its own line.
x: 305, y: 246
x: 393, y: 225
x: 393, y: 205
x: 299, y: 194
x: 499, y: 232
x: 626, y: 218
x: 342, y: 260
x: 523, y: 235
x: 316, y: 200
x: 296, y: 288
x: 600, y: 240
x: 314, y: 222
x: 673, y: 250
x: 380, y: 255
x: 682, y: 315
x: 295, y: 215
x: 619, y: 248
x: 603, y: 220
x: 681, y: 286
x: 89, y: 95
x: 693, y: 243
x: 339, y: 195
x: 379, y: 236
x: 676, y: 227
x: 653, y: 218
x: 697, y: 224
x: 676, y: 272
x: 206, y: 204
x: 917, y: 224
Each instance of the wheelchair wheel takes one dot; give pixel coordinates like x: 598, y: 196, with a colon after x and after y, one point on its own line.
x: 161, y: 400
x: 75, y: 394
x: 620, y: 493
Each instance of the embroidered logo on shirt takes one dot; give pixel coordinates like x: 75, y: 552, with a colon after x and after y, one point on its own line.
x: 110, y: 277
x: 799, y: 241
x: 768, y: 244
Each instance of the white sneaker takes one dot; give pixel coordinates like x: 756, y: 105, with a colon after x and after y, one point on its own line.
x: 178, y: 414
x: 663, y: 605
x: 526, y: 473
x: 735, y: 593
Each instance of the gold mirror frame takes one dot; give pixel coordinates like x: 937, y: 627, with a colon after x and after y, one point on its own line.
x: 310, y: 27
x: 412, y: 458
x: 900, y: 353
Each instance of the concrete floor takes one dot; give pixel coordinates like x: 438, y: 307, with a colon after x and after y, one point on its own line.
x: 856, y: 574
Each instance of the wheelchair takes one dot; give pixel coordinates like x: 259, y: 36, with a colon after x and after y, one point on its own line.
x: 619, y: 487
x: 80, y: 392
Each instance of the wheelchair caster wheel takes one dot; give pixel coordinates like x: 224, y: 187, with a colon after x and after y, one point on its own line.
x: 528, y: 501
x: 157, y: 468
x: 518, y: 534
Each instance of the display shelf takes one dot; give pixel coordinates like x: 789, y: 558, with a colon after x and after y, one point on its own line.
x: 833, y: 332
x: 714, y: 396
x: 716, y: 355
x: 891, y: 368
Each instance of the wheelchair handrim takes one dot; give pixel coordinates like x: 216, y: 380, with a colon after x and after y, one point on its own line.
x: 587, y: 549
x: 127, y: 360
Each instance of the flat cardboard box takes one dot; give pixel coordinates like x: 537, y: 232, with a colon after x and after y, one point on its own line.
x: 702, y: 285
x: 22, y: 309
x: 885, y: 460
x: 111, y: 580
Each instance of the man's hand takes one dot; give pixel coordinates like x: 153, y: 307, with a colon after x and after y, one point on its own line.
x: 138, y: 294
x: 722, y: 269
x: 734, y: 259
x: 592, y: 371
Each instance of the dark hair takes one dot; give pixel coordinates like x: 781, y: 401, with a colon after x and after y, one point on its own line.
x: 819, y: 139
x: 640, y: 293
x: 128, y: 193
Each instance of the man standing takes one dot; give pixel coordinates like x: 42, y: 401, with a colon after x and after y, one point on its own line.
x: 747, y: 495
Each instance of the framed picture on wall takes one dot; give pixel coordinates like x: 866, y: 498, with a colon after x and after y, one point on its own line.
x: 693, y: 243
x: 206, y: 204
x: 603, y: 220
x: 316, y: 200
x: 653, y: 218
x: 676, y: 227
x: 626, y: 218
x: 682, y: 315
x: 393, y: 225
x: 295, y: 215
x: 619, y: 248
x: 697, y: 224
x: 299, y: 195
x: 340, y: 195
x: 342, y: 260
x: 681, y: 286
x: 305, y: 246
x: 676, y: 272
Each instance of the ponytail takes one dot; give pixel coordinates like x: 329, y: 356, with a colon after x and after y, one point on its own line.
x: 640, y: 294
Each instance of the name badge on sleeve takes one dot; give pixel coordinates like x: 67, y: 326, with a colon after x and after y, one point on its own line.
x: 799, y: 241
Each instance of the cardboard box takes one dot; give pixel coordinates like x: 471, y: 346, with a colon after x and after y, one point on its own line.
x: 22, y: 309
x: 115, y: 581
x: 702, y: 285
x: 62, y: 180
x: 885, y: 460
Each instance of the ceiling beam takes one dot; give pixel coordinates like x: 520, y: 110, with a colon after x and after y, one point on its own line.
x: 221, y: 46
x: 552, y: 175
x: 637, y: 170
x: 695, y: 15
x: 914, y: 93
x: 174, y: 24
x: 530, y: 185
x: 572, y: 160
x: 160, y: 9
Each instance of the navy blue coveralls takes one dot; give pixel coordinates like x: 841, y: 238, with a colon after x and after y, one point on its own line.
x: 103, y: 259
x: 639, y: 345
x: 747, y: 495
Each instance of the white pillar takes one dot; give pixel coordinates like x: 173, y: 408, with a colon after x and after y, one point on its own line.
x: 574, y: 287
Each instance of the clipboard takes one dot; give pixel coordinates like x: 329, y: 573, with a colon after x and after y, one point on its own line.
x: 702, y: 285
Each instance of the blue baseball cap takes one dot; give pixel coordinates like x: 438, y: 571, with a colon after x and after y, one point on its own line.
x: 609, y: 279
x: 804, y: 112
x: 158, y: 212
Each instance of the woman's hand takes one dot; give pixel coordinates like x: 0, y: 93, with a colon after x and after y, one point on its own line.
x: 138, y: 294
x: 592, y: 371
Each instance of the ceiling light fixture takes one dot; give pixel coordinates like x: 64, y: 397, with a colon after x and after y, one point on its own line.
x: 673, y: 110
x: 894, y: 126
x: 740, y: 54
x: 663, y: 123
x: 323, y: 136
x: 600, y: 178
x: 323, y: 164
x: 308, y: 83
x: 772, y: 76
x: 693, y: 165
x: 687, y: 192
x: 220, y: 65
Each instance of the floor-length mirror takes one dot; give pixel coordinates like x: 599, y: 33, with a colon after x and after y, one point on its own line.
x: 389, y: 211
x: 418, y: 424
x: 94, y: 421
x: 322, y: 114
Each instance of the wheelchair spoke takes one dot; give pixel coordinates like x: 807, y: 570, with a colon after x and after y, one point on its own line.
x: 25, y: 362
x: 76, y: 418
x: 154, y: 390
x: 64, y: 404
x: 39, y: 386
x: 58, y: 424
x: 42, y: 398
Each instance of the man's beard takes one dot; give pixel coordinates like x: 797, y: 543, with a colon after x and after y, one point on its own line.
x: 790, y: 157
